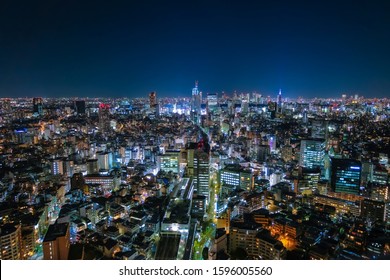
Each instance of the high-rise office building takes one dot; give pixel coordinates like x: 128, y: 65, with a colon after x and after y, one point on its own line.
x: 56, y: 243
x: 37, y: 106
x: 169, y: 161
x: 279, y: 102
x: 312, y: 153
x: 68, y: 167
x: 373, y: 210
x: 380, y: 193
x: 272, y: 142
x: 198, y: 167
x: 104, y: 160
x: 196, y: 99
x: 212, y: 101
x: 198, y: 207
x: 104, y: 118
x: 307, y: 182
x: 80, y: 107
x: 202, y: 172
x: 345, y: 175
x: 154, y: 107
x: 305, y: 117
x: 272, y: 107
x: 380, y: 176
x: 235, y: 177
x: 262, y: 153
x: 152, y: 99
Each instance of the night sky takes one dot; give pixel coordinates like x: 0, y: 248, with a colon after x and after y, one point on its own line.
x: 129, y: 48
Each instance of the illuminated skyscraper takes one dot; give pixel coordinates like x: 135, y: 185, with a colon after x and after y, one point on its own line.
x: 196, y: 99
x: 104, y: 118
x: 312, y: 153
x: 212, y: 101
x: 198, y: 167
x: 272, y: 142
x: 38, y: 106
x: 202, y: 172
x: 272, y: 109
x: 279, y: 101
x: 345, y: 175
x: 304, y: 118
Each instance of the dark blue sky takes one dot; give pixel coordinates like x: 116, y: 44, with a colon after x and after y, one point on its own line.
x: 129, y: 48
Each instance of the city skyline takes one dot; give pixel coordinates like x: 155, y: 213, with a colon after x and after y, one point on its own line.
x: 131, y: 49
x: 247, y: 177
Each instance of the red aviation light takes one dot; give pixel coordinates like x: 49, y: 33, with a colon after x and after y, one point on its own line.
x: 104, y: 106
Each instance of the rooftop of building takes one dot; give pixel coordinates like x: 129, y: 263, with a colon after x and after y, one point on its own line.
x: 266, y: 236
x: 168, y: 247
x: 245, y: 225
x: 219, y: 233
x: 345, y: 161
x: 261, y: 211
x: 178, y: 212
x: 7, y: 229
x: 110, y: 243
x: 126, y: 254
x: 98, y: 176
x: 55, y: 231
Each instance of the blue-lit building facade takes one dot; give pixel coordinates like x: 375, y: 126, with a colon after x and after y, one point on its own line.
x: 312, y: 153
x: 345, y: 175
